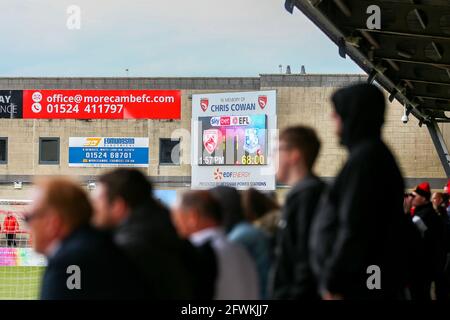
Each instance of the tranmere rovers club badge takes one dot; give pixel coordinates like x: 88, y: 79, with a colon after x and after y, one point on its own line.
x: 251, y: 140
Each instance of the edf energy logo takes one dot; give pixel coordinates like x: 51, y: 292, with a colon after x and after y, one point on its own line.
x: 219, y: 175
x: 92, y: 142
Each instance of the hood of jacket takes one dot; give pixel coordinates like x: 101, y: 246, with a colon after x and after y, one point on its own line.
x: 361, y: 108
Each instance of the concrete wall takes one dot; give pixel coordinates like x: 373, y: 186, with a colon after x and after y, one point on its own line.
x: 301, y: 99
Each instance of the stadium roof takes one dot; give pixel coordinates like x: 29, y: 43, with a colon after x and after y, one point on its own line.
x: 409, y: 54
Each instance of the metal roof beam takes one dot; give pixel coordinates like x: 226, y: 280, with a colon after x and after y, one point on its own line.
x: 399, y: 33
x: 424, y: 81
x: 397, y: 18
x: 439, y: 144
x: 336, y: 35
x: 427, y: 96
x: 442, y: 64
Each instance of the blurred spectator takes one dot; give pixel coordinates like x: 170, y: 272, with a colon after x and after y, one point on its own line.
x: 447, y: 187
x: 442, y: 284
x: 243, y: 232
x: 58, y: 221
x: 198, y: 216
x: 440, y: 203
x: 407, y: 203
x: 262, y: 210
x: 10, y: 227
x: 432, y: 230
x: 446, y: 192
x: 124, y: 204
x: 293, y: 277
x: 232, y: 212
x: 361, y: 222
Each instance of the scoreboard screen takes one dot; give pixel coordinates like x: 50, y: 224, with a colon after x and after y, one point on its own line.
x: 233, y: 140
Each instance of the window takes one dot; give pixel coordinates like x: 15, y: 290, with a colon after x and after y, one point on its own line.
x: 169, y: 151
x: 3, y: 150
x: 48, y: 150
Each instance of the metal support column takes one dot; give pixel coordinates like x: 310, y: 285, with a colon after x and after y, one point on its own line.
x: 439, y: 144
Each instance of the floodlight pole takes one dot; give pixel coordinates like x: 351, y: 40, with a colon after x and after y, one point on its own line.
x: 439, y: 144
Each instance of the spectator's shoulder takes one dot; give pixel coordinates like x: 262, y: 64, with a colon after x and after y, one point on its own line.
x: 313, y: 187
x: 85, y: 243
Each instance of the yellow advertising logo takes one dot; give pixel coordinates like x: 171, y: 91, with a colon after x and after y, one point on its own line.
x: 92, y: 142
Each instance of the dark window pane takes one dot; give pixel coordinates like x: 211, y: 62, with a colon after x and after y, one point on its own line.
x: 169, y: 151
x: 49, y: 150
x: 3, y: 149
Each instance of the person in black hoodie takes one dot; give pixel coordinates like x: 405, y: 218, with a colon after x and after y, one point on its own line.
x: 432, y: 229
x: 292, y: 275
x: 440, y: 204
x: 359, y: 226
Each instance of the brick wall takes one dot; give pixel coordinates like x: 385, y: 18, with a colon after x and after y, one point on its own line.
x: 301, y: 99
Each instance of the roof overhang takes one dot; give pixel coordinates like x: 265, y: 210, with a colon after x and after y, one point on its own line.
x: 409, y: 55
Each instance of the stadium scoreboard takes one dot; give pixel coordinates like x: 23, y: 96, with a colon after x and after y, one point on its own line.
x: 233, y: 135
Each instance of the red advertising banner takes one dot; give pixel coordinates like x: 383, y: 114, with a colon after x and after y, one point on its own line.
x: 101, y: 104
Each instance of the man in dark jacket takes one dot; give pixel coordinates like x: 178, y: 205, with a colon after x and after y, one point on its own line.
x: 293, y: 278
x: 432, y: 230
x: 357, y: 234
x: 143, y: 228
x: 82, y: 263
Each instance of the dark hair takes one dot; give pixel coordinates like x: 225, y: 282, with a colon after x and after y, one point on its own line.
x: 303, y: 139
x: 230, y: 202
x: 129, y: 184
x: 256, y: 204
x: 444, y: 197
x: 204, y: 202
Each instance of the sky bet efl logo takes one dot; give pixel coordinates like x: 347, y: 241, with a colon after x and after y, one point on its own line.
x: 230, y: 121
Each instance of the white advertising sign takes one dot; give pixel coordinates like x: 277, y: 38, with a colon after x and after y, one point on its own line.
x: 233, y: 137
x: 108, y: 152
